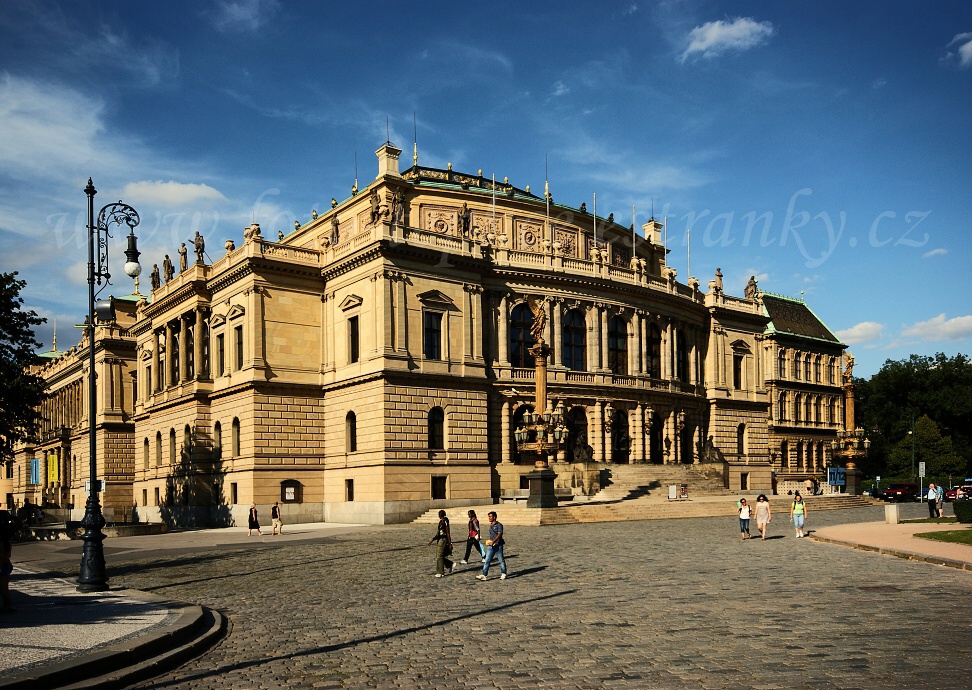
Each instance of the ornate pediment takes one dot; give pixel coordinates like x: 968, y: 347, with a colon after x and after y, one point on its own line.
x: 235, y: 311
x: 217, y: 320
x: 350, y: 302
x: 145, y: 354
x: 436, y: 300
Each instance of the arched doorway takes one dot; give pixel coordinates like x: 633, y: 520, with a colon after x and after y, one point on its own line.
x: 620, y: 440
x: 656, y: 451
x: 577, y: 448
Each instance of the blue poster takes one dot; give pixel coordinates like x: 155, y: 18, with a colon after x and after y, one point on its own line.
x: 34, y: 471
x: 836, y: 476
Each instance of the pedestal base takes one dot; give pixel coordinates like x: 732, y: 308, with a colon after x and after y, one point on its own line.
x: 542, y: 489
x: 854, y: 478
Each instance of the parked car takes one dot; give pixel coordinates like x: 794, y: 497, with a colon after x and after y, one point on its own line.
x: 901, y: 491
x: 959, y: 493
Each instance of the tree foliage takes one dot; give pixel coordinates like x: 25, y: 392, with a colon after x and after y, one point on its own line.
x: 21, y: 392
x: 905, y: 392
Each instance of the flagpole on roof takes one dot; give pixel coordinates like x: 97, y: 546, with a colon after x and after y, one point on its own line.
x: 546, y: 195
x: 595, y: 220
x: 688, y: 239
x: 634, y: 234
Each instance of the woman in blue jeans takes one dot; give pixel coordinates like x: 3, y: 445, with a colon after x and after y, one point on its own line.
x: 494, y: 547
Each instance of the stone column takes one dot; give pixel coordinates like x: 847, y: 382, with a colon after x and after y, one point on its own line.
x: 643, y: 342
x: 503, y: 339
x: 255, y: 318
x: 558, y: 344
x: 506, y: 455
x: 476, y: 315
x: 637, y: 453
x: 604, y: 338
x: 634, y: 344
x: 387, y: 324
x: 597, y: 432
x: 401, y: 315
x: 468, y: 323
x: 666, y: 350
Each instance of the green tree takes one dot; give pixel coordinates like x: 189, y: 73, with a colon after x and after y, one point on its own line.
x: 21, y: 392
x: 939, y: 387
x: 930, y: 447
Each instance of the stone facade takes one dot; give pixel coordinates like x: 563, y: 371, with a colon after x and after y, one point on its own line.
x: 373, y: 363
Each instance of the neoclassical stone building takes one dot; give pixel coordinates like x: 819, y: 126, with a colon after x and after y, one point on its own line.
x: 373, y: 362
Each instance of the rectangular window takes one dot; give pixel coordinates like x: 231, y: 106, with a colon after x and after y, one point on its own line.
x: 158, y: 498
x: 737, y: 367
x: 349, y: 490
x: 220, y: 355
x: 148, y: 381
x: 238, y: 333
x: 144, y: 497
x: 353, y: 339
x: 438, y: 488
x: 432, y: 344
x: 234, y: 493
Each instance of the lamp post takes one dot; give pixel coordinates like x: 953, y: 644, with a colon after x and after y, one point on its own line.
x: 649, y: 420
x: 93, y: 576
x: 543, y: 431
x: 679, y: 426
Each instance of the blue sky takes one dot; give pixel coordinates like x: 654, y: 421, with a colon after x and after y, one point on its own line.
x: 824, y: 147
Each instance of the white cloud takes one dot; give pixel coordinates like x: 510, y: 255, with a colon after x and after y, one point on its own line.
x: 878, y: 83
x: 171, y: 193
x: 864, y: 332
x: 940, y: 328
x: 243, y: 16
x: 934, y: 252
x: 964, y: 48
x: 560, y: 89
x: 715, y: 38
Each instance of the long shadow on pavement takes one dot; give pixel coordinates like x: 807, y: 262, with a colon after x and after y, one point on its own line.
x: 327, y: 649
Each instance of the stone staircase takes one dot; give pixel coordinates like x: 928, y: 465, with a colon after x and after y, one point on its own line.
x: 629, y: 482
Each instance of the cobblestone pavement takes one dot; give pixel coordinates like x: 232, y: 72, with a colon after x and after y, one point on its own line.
x: 661, y: 604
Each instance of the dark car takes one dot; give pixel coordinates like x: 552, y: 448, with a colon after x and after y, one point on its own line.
x: 901, y: 491
x: 960, y: 493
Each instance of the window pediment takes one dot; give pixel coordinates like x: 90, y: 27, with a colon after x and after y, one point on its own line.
x: 350, y: 302
x: 235, y: 311
x: 436, y: 300
x: 217, y: 320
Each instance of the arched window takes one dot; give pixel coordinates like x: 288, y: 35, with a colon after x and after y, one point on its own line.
x: 806, y: 368
x: 172, y: 447
x: 217, y: 441
x: 816, y: 410
x: 235, y: 440
x: 351, y: 433
x: 574, y: 338
x: 653, y: 365
x: 796, y: 366
x: 190, y: 355
x: 816, y: 369
x: 618, y: 346
x: 145, y: 454
x: 520, y: 338
x: 741, y: 440
x: 781, y: 408
x: 782, y: 363
x: 681, y: 357
x: 784, y: 455
x: 158, y: 449
x: 807, y: 409
x: 436, y: 429
x: 797, y: 407
x: 186, y: 443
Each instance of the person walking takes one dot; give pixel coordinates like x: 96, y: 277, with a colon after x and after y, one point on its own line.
x: 253, y: 521
x: 798, y: 514
x: 763, y: 515
x: 443, y: 547
x: 494, y: 547
x: 744, y: 516
x: 6, y: 562
x: 940, y: 499
x: 932, y: 501
x: 474, y: 539
x: 276, y: 519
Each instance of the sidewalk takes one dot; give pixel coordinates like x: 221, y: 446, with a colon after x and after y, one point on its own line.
x: 59, y: 637
x: 900, y: 540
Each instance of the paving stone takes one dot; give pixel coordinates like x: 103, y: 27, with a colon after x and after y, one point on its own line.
x: 667, y: 603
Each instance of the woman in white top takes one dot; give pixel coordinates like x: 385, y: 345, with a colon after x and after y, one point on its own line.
x: 744, y: 515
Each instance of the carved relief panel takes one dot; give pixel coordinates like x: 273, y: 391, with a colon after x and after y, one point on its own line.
x: 528, y: 234
x: 568, y: 241
x: 440, y: 219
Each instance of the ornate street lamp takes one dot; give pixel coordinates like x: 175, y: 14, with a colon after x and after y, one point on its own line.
x: 93, y: 576
x: 544, y: 426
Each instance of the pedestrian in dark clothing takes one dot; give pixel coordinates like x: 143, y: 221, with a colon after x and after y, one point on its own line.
x: 253, y: 521
x: 6, y: 564
x: 474, y: 539
x: 443, y: 547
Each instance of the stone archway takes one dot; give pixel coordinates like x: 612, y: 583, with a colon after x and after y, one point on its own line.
x: 620, y: 439
x: 577, y: 447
